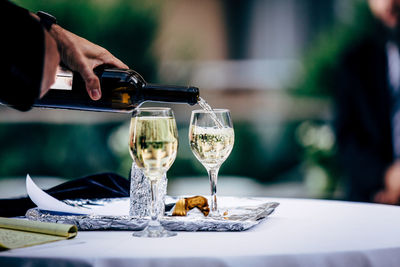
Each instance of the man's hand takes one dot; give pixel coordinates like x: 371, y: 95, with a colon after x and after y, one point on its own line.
x: 83, y: 56
x: 391, y: 193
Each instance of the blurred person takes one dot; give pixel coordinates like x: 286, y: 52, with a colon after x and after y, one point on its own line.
x: 32, y: 48
x: 368, y: 109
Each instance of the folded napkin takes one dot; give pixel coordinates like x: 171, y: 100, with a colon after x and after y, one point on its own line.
x: 103, y: 185
x: 18, y: 233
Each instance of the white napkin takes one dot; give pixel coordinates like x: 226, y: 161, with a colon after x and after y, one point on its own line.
x: 44, y: 201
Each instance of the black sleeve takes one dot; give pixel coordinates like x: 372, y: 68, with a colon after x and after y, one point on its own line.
x: 22, y: 49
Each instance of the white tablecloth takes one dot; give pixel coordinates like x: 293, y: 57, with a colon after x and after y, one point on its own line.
x: 300, y: 232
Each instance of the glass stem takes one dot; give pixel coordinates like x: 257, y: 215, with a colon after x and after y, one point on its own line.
x: 213, y: 175
x: 154, y: 213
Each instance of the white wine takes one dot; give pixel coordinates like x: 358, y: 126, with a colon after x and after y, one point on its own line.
x: 211, y: 139
x: 153, y: 144
x: 211, y: 145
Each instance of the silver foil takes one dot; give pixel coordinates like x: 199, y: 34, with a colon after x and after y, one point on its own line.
x: 240, y: 214
x: 140, y: 193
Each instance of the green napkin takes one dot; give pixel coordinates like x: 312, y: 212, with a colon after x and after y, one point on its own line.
x: 18, y: 233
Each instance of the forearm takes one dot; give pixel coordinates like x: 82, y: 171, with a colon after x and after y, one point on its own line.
x: 51, y: 60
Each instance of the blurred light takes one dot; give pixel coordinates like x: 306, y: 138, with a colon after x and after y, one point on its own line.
x: 316, y: 180
x: 320, y: 137
x: 118, y: 140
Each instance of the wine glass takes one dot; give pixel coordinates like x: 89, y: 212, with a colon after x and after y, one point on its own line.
x: 211, y: 139
x: 153, y: 144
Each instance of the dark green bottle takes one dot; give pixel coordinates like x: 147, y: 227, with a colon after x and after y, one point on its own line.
x: 122, y: 91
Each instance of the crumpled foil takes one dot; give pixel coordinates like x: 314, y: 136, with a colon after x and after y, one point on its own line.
x: 140, y: 193
x: 239, y: 214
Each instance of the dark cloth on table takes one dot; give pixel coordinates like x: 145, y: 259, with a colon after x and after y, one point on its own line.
x: 363, y: 116
x: 22, y: 49
x: 104, y: 185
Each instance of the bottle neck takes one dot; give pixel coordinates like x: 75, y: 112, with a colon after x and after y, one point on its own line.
x: 171, y: 93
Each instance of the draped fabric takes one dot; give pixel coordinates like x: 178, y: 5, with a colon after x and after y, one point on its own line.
x: 103, y: 185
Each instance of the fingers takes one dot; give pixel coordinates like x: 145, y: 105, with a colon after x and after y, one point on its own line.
x: 91, y: 80
x: 118, y: 63
x: 379, y: 197
x: 110, y: 59
x: 83, y: 56
x: 386, y: 197
x: 92, y: 83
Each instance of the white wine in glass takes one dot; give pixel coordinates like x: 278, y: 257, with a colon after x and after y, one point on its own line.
x: 153, y: 146
x: 211, y: 144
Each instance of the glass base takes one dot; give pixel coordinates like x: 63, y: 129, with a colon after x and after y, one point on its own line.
x: 215, y: 214
x: 154, y: 231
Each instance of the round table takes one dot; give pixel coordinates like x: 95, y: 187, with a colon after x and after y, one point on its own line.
x: 301, y: 232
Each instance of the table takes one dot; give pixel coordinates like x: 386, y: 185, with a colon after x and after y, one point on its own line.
x: 301, y: 232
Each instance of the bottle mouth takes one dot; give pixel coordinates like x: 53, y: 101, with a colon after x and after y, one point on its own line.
x: 196, y: 95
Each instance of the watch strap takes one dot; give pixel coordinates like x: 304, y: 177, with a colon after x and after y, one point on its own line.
x: 46, y: 19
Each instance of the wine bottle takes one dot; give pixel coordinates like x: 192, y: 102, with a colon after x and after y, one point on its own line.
x: 122, y: 91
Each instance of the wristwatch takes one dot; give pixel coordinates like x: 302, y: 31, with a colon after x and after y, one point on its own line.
x: 46, y: 19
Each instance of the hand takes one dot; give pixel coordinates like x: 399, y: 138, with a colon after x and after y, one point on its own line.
x: 51, y: 61
x: 391, y: 193
x: 83, y: 56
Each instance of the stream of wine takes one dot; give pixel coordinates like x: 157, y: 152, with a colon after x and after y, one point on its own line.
x: 205, y: 106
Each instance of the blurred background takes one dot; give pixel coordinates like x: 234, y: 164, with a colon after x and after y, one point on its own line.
x: 269, y: 61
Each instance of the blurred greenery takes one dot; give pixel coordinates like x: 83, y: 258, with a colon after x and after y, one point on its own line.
x: 74, y: 150
x: 127, y: 29
x: 321, y: 59
x: 277, y: 151
x: 124, y: 27
x: 252, y: 155
x: 62, y: 150
x: 317, y: 80
x: 319, y: 165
